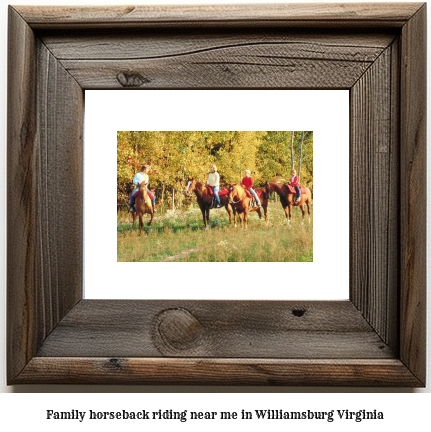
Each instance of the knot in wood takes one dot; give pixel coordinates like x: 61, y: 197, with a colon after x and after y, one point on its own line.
x: 115, y: 363
x: 131, y: 79
x: 178, y: 329
x: 298, y: 312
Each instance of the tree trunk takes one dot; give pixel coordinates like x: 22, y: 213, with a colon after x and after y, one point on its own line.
x: 291, y: 150
x: 163, y: 196
x: 180, y: 197
x: 300, y: 157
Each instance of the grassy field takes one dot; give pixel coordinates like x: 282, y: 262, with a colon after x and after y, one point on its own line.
x: 178, y: 237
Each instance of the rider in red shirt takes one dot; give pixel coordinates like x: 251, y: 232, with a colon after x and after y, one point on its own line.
x: 294, y: 181
x: 247, y: 182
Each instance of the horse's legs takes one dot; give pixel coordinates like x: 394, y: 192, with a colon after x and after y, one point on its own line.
x: 308, y: 208
x: 234, y: 215
x: 303, y: 213
x: 265, y: 210
x: 207, y: 213
x: 290, y: 212
x: 204, y: 217
x: 151, y: 220
x: 228, y: 209
x: 259, y: 213
x: 141, y: 223
x: 246, y: 217
x: 134, y: 218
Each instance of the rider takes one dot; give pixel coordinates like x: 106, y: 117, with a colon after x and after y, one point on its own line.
x: 294, y: 181
x: 247, y: 182
x: 141, y: 176
x: 214, y: 182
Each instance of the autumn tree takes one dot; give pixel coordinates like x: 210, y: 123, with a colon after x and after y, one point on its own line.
x: 173, y: 156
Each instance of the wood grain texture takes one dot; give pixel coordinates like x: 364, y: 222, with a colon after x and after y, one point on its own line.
x: 59, y: 183
x: 146, y: 45
x: 374, y: 195
x: 45, y: 105
x: 392, y: 303
x: 226, y: 329
x: 21, y: 196
x: 208, y: 59
x: 413, y: 175
x: 197, y: 371
x: 377, y: 338
x: 301, y: 15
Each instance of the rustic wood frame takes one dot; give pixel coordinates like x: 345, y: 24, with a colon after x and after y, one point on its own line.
x: 376, y: 338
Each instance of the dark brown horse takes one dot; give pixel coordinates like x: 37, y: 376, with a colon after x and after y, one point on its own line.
x: 143, y: 205
x: 287, y: 199
x: 205, y: 200
x: 240, y: 202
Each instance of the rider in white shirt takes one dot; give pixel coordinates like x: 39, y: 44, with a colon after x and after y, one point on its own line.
x: 214, y: 182
x: 140, y: 177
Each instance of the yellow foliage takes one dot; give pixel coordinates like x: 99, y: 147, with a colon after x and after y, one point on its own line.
x: 173, y: 156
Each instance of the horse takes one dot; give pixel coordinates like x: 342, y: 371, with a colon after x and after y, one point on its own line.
x: 143, y: 205
x: 287, y: 199
x: 240, y: 201
x: 205, y: 200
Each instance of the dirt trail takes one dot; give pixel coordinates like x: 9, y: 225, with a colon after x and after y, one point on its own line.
x: 188, y: 252
x: 183, y: 254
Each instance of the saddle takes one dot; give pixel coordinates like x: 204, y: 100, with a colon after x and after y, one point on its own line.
x: 291, y: 189
x: 252, y: 204
x: 222, y: 191
x: 258, y: 193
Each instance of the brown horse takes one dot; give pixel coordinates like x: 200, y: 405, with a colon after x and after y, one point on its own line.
x: 240, y: 202
x: 143, y: 205
x: 264, y: 199
x: 204, y: 200
x: 287, y: 199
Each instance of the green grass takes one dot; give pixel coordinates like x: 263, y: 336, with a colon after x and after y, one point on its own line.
x: 179, y: 236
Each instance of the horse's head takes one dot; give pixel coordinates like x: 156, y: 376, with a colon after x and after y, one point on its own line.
x: 233, y: 193
x: 267, y: 190
x: 191, y: 186
x: 142, y: 187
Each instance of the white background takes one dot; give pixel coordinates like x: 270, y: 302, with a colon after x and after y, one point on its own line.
x: 326, y: 278
x: 403, y: 410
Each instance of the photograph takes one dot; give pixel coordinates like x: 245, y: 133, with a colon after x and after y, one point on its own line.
x: 214, y: 196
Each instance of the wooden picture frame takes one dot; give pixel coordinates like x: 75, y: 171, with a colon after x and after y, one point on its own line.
x: 376, y: 338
